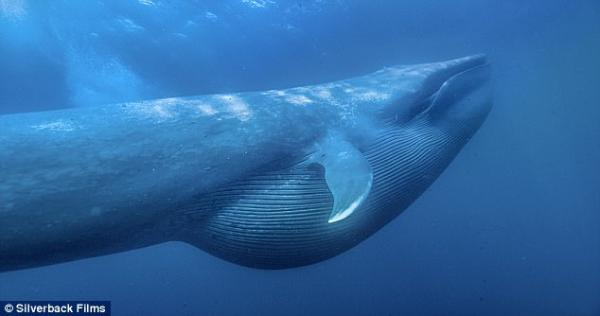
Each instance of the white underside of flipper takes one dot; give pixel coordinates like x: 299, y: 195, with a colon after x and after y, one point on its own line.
x: 347, y: 173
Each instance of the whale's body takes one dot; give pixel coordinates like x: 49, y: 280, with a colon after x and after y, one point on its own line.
x: 272, y: 179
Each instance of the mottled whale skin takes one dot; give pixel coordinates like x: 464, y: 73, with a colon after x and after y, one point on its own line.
x: 269, y: 179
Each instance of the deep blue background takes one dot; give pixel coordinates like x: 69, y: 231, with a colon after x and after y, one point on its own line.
x: 511, y: 228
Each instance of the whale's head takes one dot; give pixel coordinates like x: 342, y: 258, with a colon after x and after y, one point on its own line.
x: 430, y: 113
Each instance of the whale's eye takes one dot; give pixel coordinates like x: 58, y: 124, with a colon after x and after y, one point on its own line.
x: 420, y: 107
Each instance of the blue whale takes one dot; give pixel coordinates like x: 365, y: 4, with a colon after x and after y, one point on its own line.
x: 269, y: 179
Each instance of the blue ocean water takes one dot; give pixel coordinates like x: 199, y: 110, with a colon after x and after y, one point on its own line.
x: 512, y: 227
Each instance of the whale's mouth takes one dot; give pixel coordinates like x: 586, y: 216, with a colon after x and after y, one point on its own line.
x: 474, y: 70
x: 447, y: 81
x: 456, y: 89
x: 463, y: 99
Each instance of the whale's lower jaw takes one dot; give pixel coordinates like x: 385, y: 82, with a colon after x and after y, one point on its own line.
x: 279, y: 219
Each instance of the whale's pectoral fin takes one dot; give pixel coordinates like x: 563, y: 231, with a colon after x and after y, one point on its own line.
x: 281, y: 216
x: 347, y: 173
